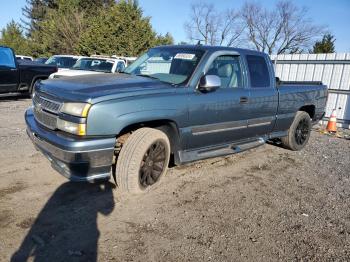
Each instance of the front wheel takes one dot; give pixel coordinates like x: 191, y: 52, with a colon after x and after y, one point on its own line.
x: 298, y: 133
x: 143, y: 160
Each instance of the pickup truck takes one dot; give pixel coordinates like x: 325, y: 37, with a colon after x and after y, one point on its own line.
x: 90, y: 66
x: 20, y: 76
x: 195, y: 102
x: 63, y: 61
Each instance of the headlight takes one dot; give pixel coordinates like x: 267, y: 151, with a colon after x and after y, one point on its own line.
x: 70, y: 127
x: 76, y: 109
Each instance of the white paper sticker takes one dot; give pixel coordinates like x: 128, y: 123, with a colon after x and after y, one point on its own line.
x: 184, y: 56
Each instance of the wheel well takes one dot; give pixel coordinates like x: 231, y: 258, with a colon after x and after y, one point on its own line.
x: 310, y: 109
x: 37, y: 78
x: 167, y: 126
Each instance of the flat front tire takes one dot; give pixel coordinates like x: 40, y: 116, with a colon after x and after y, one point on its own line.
x: 298, y: 133
x: 143, y: 160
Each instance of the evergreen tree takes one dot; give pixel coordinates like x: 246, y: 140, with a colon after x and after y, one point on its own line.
x: 123, y: 30
x: 35, y: 12
x: 12, y: 36
x: 164, y: 40
x: 326, y: 45
x: 89, y: 27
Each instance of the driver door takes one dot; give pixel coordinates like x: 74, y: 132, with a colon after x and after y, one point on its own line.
x: 219, y: 117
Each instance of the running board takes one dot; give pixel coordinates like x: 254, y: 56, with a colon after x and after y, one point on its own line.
x: 189, y: 156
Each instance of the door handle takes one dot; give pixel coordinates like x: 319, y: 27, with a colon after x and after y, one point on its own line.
x: 243, y: 100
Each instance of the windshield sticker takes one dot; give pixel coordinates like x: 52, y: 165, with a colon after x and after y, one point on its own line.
x: 184, y: 56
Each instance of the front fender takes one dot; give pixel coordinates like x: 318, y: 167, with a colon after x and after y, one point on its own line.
x: 110, y: 120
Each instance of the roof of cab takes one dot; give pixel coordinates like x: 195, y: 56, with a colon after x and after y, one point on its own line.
x: 215, y: 48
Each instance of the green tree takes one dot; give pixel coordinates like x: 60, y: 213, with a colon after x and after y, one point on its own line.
x: 91, y: 7
x: 61, y: 30
x: 123, y: 30
x: 90, y: 27
x: 167, y: 39
x: 326, y: 45
x: 12, y: 36
x: 35, y: 11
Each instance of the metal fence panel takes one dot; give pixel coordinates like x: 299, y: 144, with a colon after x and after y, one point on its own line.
x: 332, y: 69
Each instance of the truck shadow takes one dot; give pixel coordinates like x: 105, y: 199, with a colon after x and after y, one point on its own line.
x: 13, y: 97
x: 66, y: 228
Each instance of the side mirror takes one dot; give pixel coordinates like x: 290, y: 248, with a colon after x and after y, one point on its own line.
x: 278, y: 81
x: 209, y: 83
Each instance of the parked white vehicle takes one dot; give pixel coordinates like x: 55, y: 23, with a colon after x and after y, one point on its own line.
x: 24, y: 57
x: 92, y: 65
x: 63, y: 61
x: 128, y: 59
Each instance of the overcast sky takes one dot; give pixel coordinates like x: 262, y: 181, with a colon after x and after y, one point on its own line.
x: 170, y: 15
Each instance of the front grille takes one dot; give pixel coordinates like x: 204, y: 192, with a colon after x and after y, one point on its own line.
x: 45, y: 111
x: 46, y: 119
x: 46, y: 104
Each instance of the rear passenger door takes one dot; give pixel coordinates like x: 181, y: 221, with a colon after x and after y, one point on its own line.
x: 220, y: 117
x: 263, y: 100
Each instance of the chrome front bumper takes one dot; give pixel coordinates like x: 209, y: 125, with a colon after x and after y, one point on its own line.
x: 78, y: 159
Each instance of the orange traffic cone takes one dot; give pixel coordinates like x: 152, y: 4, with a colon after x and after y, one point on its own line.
x: 332, y: 123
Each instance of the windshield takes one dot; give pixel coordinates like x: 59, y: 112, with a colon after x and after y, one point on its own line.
x: 170, y: 65
x: 61, y: 61
x: 92, y: 64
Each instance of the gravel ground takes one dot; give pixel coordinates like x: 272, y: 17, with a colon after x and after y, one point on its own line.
x: 266, y: 204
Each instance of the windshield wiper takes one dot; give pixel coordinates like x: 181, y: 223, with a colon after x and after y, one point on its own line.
x: 149, y: 76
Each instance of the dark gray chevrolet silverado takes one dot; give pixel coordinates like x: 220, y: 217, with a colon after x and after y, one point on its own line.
x: 20, y: 76
x: 184, y: 102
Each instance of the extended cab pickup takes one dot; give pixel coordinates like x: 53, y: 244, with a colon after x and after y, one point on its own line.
x: 189, y: 102
x: 19, y: 76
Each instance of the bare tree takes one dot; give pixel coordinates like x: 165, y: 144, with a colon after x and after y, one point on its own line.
x: 286, y: 29
x: 70, y: 28
x: 212, y: 27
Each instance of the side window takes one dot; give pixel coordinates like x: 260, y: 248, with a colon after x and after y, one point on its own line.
x: 228, y: 68
x: 7, y: 58
x: 258, y: 72
x: 120, y: 66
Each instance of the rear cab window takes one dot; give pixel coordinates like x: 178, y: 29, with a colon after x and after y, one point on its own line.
x: 258, y: 71
x: 7, y: 59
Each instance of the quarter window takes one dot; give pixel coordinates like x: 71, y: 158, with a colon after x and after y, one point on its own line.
x: 258, y: 72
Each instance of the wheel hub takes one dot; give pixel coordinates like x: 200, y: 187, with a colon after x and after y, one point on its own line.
x: 153, y: 164
x: 302, y: 132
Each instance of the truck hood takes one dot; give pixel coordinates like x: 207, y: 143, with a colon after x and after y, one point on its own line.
x: 100, y: 87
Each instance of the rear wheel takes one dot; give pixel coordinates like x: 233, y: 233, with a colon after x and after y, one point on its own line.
x: 143, y: 160
x: 298, y: 133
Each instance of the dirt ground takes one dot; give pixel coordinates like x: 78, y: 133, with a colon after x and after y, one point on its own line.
x: 266, y: 204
